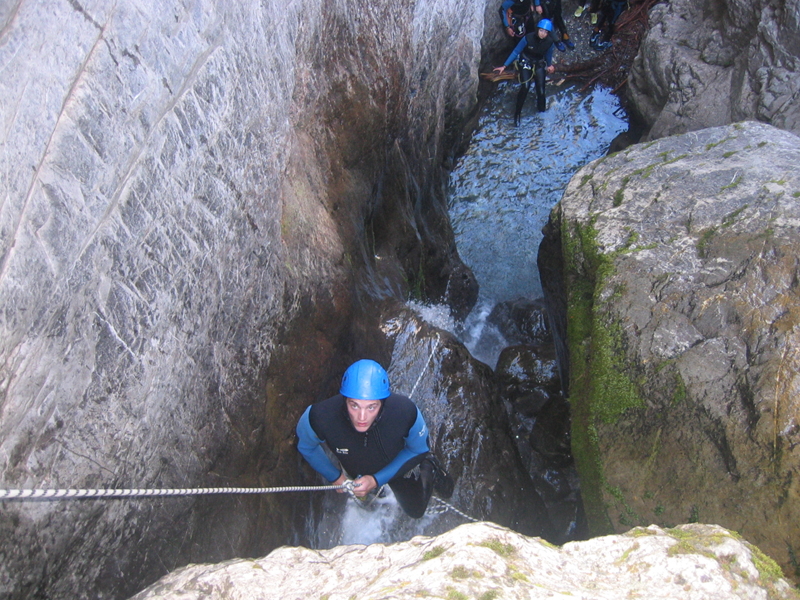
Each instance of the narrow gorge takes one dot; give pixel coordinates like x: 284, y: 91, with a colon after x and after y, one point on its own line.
x: 209, y: 209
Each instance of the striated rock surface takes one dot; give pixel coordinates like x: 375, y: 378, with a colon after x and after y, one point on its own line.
x: 692, y: 562
x: 683, y: 318
x: 705, y: 64
x: 203, y: 206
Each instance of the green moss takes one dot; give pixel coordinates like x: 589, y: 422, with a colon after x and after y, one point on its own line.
x: 729, y: 219
x: 679, y: 395
x: 504, y: 550
x: 796, y: 195
x: 516, y: 575
x: 460, y: 572
x: 585, y: 178
x: 676, y: 159
x: 694, y: 515
x: 489, y: 595
x: 736, y: 181
x: 711, y: 145
x: 705, y: 239
x: 453, y: 594
x: 729, y: 154
x: 601, y: 390
x: 658, y: 510
x: 768, y: 569
x: 627, y: 516
x: 434, y: 552
x: 627, y: 553
x: 618, y: 197
x: 639, y: 532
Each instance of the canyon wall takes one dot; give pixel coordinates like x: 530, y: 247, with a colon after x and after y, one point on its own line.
x: 680, y: 275
x: 710, y: 63
x: 202, y: 205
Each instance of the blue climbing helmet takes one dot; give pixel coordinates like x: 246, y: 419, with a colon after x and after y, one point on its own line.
x: 545, y: 24
x: 365, y: 380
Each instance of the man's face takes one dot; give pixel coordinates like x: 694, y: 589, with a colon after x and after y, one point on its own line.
x: 363, y: 413
x: 543, y: 33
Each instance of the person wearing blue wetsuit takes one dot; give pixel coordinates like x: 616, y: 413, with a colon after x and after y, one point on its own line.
x: 610, y: 11
x: 378, y: 438
x: 533, y: 54
x: 516, y: 16
x: 551, y: 10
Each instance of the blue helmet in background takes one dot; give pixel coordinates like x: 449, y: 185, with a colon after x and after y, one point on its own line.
x: 546, y: 24
x: 365, y: 380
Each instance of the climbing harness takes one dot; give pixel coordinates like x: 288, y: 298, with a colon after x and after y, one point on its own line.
x: 70, y: 494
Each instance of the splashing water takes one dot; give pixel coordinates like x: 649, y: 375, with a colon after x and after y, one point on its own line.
x: 503, y: 189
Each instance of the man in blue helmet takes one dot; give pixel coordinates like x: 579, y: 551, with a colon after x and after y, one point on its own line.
x: 533, y: 54
x: 378, y: 438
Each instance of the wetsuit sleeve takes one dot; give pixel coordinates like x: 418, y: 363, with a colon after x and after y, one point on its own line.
x: 416, y: 444
x: 504, y: 11
x: 516, y: 52
x: 310, y: 446
x: 548, y: 57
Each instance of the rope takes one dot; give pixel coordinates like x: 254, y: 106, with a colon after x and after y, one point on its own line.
x: 70, y: 494
x: 454, y: 509
x: 425, y: 368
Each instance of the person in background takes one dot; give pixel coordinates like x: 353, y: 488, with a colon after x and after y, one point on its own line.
x: 378, y: 438
x: 533, y: 54
x: 516, y: 16
x: 610, y: 11
x: 588, y: 5
x: 551, y: 10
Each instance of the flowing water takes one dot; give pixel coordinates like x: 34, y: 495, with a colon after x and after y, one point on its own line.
x: 502, y: 191
x: 503, y: 188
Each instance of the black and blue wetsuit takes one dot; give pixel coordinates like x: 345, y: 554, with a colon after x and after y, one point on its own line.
x: 396, y: 442
x: 533, y: 55
x: 610, y: 11
x: 517, y: 16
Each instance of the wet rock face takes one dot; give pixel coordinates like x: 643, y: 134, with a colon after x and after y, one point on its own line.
x: 469, y: 428
x: 522, y: 321
x: 681, y: 276
x: 540, y: 423
x: 696, y: 562
x: 709, y: 64
x: 198, y: 202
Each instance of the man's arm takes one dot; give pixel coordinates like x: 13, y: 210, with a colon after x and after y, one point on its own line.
x: 310, y: 446
x: 416, y: 444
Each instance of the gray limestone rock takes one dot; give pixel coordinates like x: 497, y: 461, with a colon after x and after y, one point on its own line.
x: 200, y: 203
x: 692, y: 562
x: 709, y: 64
x: 683, y: 320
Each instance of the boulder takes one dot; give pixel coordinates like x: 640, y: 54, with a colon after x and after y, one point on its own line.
x: 481, y: 560
x: 683, y: 320
x: 522, y: 321
x: 705, y: 64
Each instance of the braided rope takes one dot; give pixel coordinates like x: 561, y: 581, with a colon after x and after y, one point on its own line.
x: 70, y: 494
x: 425, y: 368
x: 454, y: 509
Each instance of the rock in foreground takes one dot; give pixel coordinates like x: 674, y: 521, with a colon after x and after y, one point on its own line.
x: 482, y: 560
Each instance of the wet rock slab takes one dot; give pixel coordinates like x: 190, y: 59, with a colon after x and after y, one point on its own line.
x: 481, y: 560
